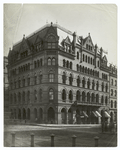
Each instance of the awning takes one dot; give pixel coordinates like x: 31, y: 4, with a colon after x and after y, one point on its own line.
x: 98, y: 114
x: 94, y: 114
x: 107, y: 115
x: 84, y: 113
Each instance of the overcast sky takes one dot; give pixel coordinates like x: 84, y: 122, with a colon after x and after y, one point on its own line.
x: 98, y: 20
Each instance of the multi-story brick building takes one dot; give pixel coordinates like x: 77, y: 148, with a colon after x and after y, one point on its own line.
x: 113, y: 93
x: 57, y: 76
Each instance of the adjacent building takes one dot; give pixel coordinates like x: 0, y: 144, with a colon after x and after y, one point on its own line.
x: 59, y: 77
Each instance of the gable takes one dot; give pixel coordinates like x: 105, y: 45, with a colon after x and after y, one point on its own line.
x: 104, y: 58
x: 88, y: 41
x: 67, y: 40
x: 24, y: 45
x: 38, y: 40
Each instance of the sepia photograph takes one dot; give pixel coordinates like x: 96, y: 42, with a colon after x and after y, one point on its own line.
x: 60, y: 75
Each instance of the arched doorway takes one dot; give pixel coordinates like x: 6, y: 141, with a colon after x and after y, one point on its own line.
x: 70, y: 116
x: 28, y: 114
x: 51, y: 115
x: 40, y: 115
x: 24, y: 113
x: 19, y: 114
x: 63, y: 116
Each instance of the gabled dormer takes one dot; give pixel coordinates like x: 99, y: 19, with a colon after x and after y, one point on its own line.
x: 37, y: 44
x: 88, y: 44
x: 24, y: 50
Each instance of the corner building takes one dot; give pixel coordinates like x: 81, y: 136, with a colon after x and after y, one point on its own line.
x: 58, y: 77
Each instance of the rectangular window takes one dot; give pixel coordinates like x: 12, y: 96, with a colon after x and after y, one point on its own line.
x: 51, y: 45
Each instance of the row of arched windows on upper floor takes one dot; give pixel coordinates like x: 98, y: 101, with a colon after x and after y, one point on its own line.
x: 113, y: 104
x: 104, y: 76
x: 90, y: 98
x: 67, y: 64
x: 87, y: 70
x: 113, y: 83
x: 24, y: 97
x: 104, y: 87
x: 38, y: 63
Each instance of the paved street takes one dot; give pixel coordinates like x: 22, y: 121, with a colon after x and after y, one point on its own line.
x: 63, y: 136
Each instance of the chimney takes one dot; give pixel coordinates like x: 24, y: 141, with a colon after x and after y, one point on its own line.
x: 74, y: 39
x: 101, y: 52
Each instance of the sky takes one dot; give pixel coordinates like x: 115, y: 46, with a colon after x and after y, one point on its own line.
x: 100, y: 20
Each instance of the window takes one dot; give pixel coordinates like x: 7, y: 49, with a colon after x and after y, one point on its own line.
x: 77, y: 66
x: 78, y: 96
x: 38, y: 63
x: 83, y: 82
x: 28, y: 80
x: 67, y: 64
x: 111, y: 104
x: 97, y: 98
x: 112, y: 81
x: 35, y: 64
x: 78, y: 81
x: 63, y: 95
x: 19, y: 83
x: 51, y: 77
x: 51, y: 94
x: 15, y: 84
x: 77, y: 55
x: 97, y: 85
x: 93, y: 97
x: 35, y: 94
x: 106, y: 100
x: 41, y: 62
x: 70, y: 65
x: 80, y: 68
x: 49, y: 61
x: 115, y: 82
x: 70, y: 96
x: 83, y: 57
x: 86, y: 58
x: 23, y: 82
x: 83, y: 69
x: 70, y: 79
x: 111, y: 92
x: 40, y: 78
x: 88, y: 83
x: 83, y: 96
x: 11, y: 98
x: 53, y: 61
x: 102, y: 100
x: 88, y: 97
x: 91, y: 61
x: 115, y: 104
x: 102, y: 86
x: 63, y: 62
x: 15, y: 100
x: 19, y: 97
x: 106, y: 88
x: 64, y: 78
x: 98, y: 63
x: 51, y: 45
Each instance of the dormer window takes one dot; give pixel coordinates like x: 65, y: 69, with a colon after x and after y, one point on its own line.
x: 51, y: 42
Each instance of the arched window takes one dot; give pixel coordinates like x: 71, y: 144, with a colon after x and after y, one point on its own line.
x: 115, y: 82
x: 28, y: 81
x: 77, y: 66
x: 35, y: 95
x: 23, y: 81
x: 40, y: 94
x: 51, y: 77
x: 83, y: 69
x: 97, y: 85
x: 78, y: 96
x: 63, y: 62
x: 102, y: 86
x: 86, y: 58
x: 88, y: 71
x: 41, y: 62
x: 51, y: 94
x: 77, y: 55
x: 98, y: 63
x: 88, y: 83
x: 53, y: 61
x: 83, y: 57
x: 35, y: 64
x: 70, y: 65
x: 35, y: 79
x: 93, y: 85
x: 93, y: 97
x: 83, y: 82
x: 70, y: 96
x: 40, y: 78
x: 64, y: 77
x: 106, y: 87
x: 97, y: 98
x: 80, y: 68
x: 106, y: 100
x: 78, y: 81
x: 83, y: 96
x: 38, y: 63
x: 67, y: 64
x: 70, y: 79
x: 111, y: 104
x: 112, y: 81
x: 91, y: 60
x: 88, y: 97
x: 49, y: 61
x: 63, y: 95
